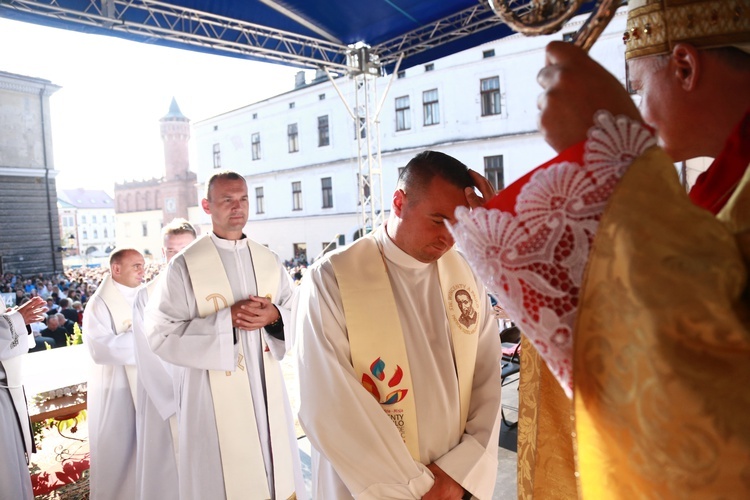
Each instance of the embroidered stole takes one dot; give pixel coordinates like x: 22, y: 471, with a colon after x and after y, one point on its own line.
x: 239, y: 442
x: 376, y: 340
x: 122, y: 318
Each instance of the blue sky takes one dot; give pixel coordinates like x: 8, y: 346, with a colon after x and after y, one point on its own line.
x: 105, y: 118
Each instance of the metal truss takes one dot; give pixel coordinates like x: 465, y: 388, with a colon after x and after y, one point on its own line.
x: 365, y: 117
x: 202, y: 29
x: 442, y: 31
x: 192, y: 27
x: 161, y: 20
x: 369, y: 164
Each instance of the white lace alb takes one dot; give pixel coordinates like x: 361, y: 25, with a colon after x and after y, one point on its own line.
x: 533, y: 262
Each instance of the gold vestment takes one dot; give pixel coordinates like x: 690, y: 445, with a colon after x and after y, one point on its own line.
x: 662, y: 354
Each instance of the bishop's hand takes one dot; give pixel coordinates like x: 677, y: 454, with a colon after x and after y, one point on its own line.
x: 575, y: 88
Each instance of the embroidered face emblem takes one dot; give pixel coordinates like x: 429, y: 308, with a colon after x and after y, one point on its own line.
x: 374, y: 386
x: 463, y: 305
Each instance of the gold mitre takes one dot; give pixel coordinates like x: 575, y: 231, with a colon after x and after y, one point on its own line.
x: 655, y: 26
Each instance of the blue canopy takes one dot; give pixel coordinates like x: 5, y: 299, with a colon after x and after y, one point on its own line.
x: 304, y: 33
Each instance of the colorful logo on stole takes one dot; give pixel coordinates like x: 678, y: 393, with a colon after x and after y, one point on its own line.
x: 377, y: 368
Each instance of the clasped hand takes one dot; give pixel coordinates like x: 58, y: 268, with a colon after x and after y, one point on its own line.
x: 254, y: 313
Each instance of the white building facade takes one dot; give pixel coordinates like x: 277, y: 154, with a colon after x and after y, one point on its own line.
x: 87, y: 223
x: 298, y: 150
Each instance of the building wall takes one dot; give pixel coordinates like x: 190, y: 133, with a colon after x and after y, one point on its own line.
x: 29, y: 229
x: 96, y: 229
x: 142, y: 231
x: 225, y: 142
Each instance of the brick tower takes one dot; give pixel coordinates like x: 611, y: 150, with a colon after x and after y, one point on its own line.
x: 178, y: 189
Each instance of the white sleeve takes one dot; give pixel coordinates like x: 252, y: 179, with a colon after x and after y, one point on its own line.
x: 473, y: 463
x: 341, y: 419
x: 283, y: 303
x: 175, y: 331
x: 106, y: 346
x: 151, y: 370
x: 13, y: 337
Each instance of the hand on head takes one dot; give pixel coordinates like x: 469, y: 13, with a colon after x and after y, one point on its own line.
x: 485, y: 188
x: 575, y: 88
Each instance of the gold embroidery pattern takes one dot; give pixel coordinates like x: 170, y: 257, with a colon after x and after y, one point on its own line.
x: 656, y: 25
x: 546, y: 462
x: 528, y: 405
x: 662, y: 339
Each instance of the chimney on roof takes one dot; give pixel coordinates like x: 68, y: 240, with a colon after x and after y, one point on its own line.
x: 299, y: 79
x: 320, y: 75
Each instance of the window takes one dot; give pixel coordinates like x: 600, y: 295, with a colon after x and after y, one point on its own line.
x: 216, y: 127
x: 300, y: 252
x: 260, y: 206
x: 327, y: 189
x: 106, y: 233
x: 488, y: 53
x: 291, y: 105
x: 144, y: 229
x: 490, y: 92
x: 297, y: 195
x: 255, y: 140
x: 293, y: 137
x: 96, y: 234
x: 83, y: 219
x: 401, y: 74
x: 93, y: 219
x: 400, y: 172
x: 85, y: 234
x: 328, y: 246
x: 429, y: 67
x: 568, y: 37
x: 361, y: 126
x: 323, y: 137
x: 321, y: 97
x: 493, y: 171
x: 403, y: 113
x: 431, y: 107
x: 217, y: 156
x: 255, y: 116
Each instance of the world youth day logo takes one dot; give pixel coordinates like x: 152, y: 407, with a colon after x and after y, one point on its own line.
x: 377, y: 368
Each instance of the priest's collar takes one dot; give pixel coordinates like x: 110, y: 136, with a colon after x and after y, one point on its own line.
x: 394, y: 254
x: 126, y: 291
x: 228, y: 244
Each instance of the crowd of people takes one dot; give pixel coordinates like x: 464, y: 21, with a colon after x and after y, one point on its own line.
x: 632, y: 296
x: 66, y: 295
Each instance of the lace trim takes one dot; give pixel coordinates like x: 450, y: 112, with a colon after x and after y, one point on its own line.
x: 534, y: 261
